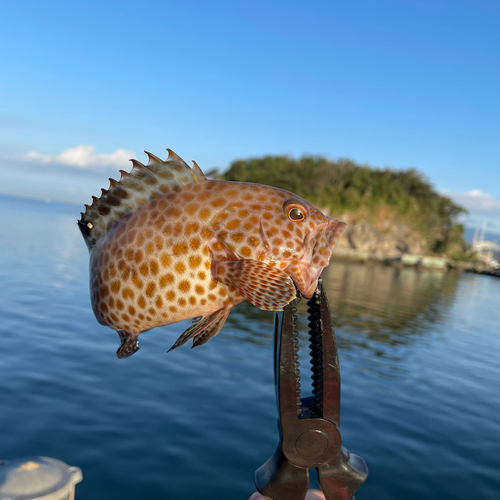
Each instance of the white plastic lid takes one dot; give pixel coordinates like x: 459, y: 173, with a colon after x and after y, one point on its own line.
x: 37, y: 478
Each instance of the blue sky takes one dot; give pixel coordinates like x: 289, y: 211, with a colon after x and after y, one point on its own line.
x: 408, y: 83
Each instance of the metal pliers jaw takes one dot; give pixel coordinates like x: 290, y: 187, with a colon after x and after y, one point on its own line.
x: 309, y: 435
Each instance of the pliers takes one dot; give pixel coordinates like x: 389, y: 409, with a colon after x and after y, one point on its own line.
x: 308, y: 427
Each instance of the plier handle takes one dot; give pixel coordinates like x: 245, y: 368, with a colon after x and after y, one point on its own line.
x: 308, y: 427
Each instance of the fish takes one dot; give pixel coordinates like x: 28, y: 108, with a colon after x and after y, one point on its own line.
x: 167, y: 244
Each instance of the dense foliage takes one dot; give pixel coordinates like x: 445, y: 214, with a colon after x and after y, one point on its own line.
x: 343, y: 186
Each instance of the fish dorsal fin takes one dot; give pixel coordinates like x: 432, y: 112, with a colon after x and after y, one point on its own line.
x: 134, y: 189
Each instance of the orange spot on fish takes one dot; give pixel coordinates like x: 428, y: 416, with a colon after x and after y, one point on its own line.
x: 218, y: 202
x: 237, y: 237
x: 180, y: 267
x: 166, y: 279
x: 192, y: 228
x: 170, y: 295
x: 245, y: 251
x: 150, y: 289
x: 180, y: 249
x: 138, y: 257
x: 131, y: 310
x: 165, y: 260
x: 119, y: 304
x: 199, y: 289
x: 184, y: 286
x: 153, y: 266
x: 192, y: 208
x: 173, y: 212
x: 144, y: 269
x: 136, y: 281
x: 233, y: 224
x: 204, y: 213
x: 194, y: 261
x: 188, y: 196
x: 194, y: 244
x: 182, y: 302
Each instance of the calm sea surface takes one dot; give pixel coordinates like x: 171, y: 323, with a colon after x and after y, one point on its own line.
x: 419, y: 356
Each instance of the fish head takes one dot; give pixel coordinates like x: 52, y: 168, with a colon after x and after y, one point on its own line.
x: 315, y: 239
x: 284, y: 231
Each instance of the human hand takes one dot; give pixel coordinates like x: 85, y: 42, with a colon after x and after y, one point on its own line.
x: 310, y: 495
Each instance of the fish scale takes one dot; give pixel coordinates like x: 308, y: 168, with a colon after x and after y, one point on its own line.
x: 166, y: 244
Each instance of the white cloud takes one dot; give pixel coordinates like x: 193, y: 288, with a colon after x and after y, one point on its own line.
x: 476, y: 201
x: 82, y: 156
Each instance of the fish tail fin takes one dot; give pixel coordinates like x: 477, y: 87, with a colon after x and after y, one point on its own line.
x: 129, y: 344
x: 134, y: 189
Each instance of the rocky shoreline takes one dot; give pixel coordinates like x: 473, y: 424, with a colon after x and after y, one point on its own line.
x: 391, y: 242
x: 410, y: 260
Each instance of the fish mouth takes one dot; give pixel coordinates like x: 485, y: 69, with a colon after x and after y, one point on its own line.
x: 309, y: 282
x: 319, y: 242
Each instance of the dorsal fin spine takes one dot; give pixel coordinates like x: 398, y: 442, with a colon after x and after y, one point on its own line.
x: 153, y: 158
x: 137, y: 187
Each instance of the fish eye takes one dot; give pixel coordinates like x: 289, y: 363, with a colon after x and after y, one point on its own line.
x: 295, y: 211
x: 295, y: 214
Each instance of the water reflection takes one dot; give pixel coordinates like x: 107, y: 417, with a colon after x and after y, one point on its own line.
x: 387, y: 304
x: 371, y: 304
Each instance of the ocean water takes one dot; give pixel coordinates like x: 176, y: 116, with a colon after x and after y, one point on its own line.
x: 419, y: 357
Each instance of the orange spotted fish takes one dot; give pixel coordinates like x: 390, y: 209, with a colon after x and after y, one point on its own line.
x: 167, y: 244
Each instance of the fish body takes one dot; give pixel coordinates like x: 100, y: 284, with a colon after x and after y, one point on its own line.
x: 167, y: 244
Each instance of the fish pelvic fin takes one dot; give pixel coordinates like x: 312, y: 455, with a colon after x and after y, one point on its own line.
x: 134, y: 189
x: 204, y: 329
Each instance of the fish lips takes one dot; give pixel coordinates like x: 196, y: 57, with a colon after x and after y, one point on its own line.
x: 321, y: 242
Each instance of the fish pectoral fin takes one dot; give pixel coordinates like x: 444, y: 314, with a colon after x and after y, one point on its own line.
x: 263, y: 285
x: 204, y: 329
x: 129, y: 345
